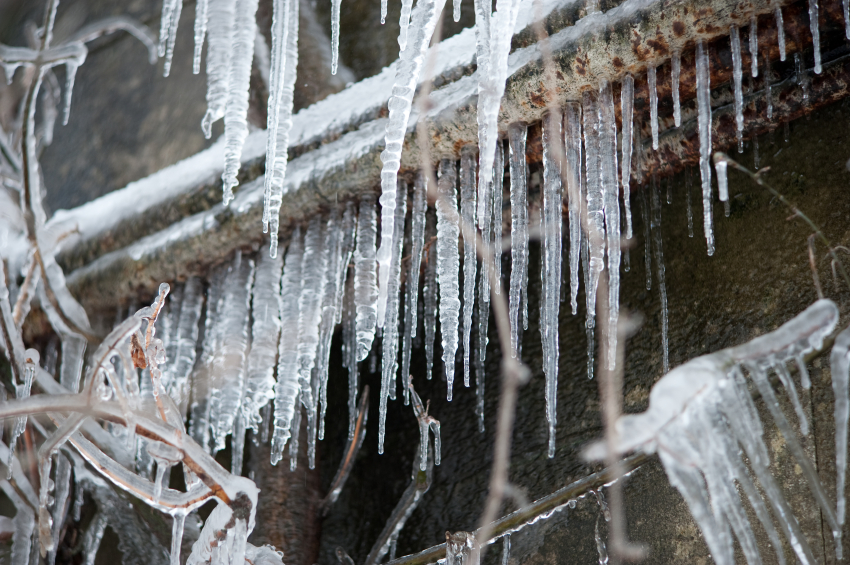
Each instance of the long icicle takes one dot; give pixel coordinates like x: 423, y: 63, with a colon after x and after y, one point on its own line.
x: 675, y: 73
x: 467, y: 215
x: 780, y: 27
x: 627, y: 104
x: 572, y: 174
x: 448, y: 265
x: 754, y: 46
x: 815, y: 28
x: 608, y: 158
x: 595, y: 202
x: 517, y: 133
x: 417, y: 236
x: 651, y: 81
x: 551, y: 264
x: 738, y: 74
x: 424, y: 21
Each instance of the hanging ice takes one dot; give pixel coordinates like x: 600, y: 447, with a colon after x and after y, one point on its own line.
x: 448, y: 265
x: 551, y: 264
x: 424, y: 20
x: 754, y: 46
x: 288, y: 387
x: 467, y: 216
x: 653, y: 103
x: 411, y: 295
x: 720, y: 166
x: 627, y: 102
x: 675, y: 73
x: 840, y: 373
x: 340, y: 243
x: 498, y: 192
x: 222, y: 19
x: 282, y: 72
x: 517, y: 133
x: 494, y: 32
x: 265, y: 332
x: 389, y: 346
x: 572, y: 175
x: 313, y: 273
x: 702, y: 421
x: 780, y: 29
x: 349, y: 355
x: 199, y: 427
x: 186, y: 342
x: 688, y: 197
x: 335, y: 6
x: 238, y: 86
x: 704, y: 122
x: 595, y: 200
x: 659, y: 266
x: 815, y: 29
x: 201, y: 16
x: 171, y: 10
x: 737, y: 75
x: 610, y: 186
x: 487, y: 231
x: 228, y: 375
x: 429, y: 292
x: 366, y: 277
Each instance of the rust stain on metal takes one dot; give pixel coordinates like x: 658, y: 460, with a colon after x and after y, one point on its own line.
x: 617, y: 62
x: 679, y: 28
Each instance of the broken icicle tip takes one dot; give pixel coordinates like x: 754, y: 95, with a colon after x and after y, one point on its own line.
x: 721, y: 164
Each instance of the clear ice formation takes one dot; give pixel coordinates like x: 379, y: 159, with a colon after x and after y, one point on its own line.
x: 389, y: 346
x: 424, y: 20
x: 737, y: 75
x: 551, y: 264
x: 467, y: 215
x: 780, y: 28
x: 366, y: 277
x: 417, y: 237
x: 595, y: 201
x: 815, y: 29
x: 651, y: 82
x: 448, y: 266
x: 627, y: 104
x: 702, y: 421
x: 675, y: 73
x: 429, y: 291
x: 610, y: 186
x: 282, y: 67
x: 704, y: 124
x: 754, y: 46
x: 517, y: 133
x: 572, y: 175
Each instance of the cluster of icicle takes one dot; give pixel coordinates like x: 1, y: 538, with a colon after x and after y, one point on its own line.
x: 705, y: 427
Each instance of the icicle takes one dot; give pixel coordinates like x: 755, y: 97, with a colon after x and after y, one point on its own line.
x: 221, y: 17
x: 417, y: 236
x: 487, y: 230
x: 627, y: 104
x: 178, y: 521
x: 313, y: 274
x: 738, y: 74
x: 467, y: 215
x: 517, y: 133
x: 659, y: 265
x: 228, y: 375
x: 165, y: 25
x: 595, y: 200
x: 704, y: 118
x: 448, y: 265
x: 768, y: 92
x: 186, y: 343
x: 201, y: 15
x: 780, y: 29
x: 288, y: 387
x: 801, y: 77
x: 172, y: 36
x: 340, y: 243
x: 754, y: 46
x: 585, y: 267
x: 788, y: 383
x: 335, y: 7
x: 236, y: 109
x: 265, y: 332
x: 675, y: 73
x: 688, y: 196
x: 456, y: 10
x: 494, y: 32
x: 389, y: 345
x: 813, y: 23
x: 383, y: 12
x: 365, y: 277
x: 551, y: 263
x: 506, y: 549
x: 572, y: 174
x: 498, y: 192
x: 349, y: 354
x: 653, y: 103
x: 429, y: 292
x: 424, y: 20
x: 608, y: 155
x: 63, y: 487
x: 70, y: 78
x: 283, y: 66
